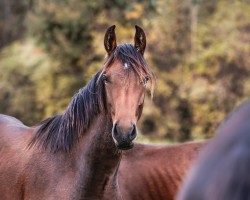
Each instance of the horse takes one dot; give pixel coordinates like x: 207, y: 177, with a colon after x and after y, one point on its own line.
x: 155, y: 172
x: 222, y: 170
x: 76, y: 155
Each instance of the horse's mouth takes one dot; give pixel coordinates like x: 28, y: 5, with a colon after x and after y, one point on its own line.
x: 125, y: 146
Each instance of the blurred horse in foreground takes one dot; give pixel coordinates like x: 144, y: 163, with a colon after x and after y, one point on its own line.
x: 76, y: 155
x: 222, y: 170
x: 155, y: 172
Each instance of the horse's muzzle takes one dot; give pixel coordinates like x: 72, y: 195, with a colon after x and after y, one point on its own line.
x: 124, y: 139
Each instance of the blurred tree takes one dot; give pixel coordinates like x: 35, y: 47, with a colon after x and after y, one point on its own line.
x: 63, y: 31
x: 200, y: 50
x: 12, y: 15
x: 17, y: 81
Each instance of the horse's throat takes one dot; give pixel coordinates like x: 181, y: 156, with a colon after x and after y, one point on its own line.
x: 101, y: 160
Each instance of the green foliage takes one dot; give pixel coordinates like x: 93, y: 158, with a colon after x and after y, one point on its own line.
x: 18, y: 89
x: 199, y: 51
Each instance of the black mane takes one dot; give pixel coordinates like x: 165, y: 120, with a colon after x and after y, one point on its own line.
x: 60, y: 132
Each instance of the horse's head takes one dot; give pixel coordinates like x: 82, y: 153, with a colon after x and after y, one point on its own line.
x: 125, y: 76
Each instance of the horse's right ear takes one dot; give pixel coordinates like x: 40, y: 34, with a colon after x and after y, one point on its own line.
x: 110, y: 39
x: 140, y: 39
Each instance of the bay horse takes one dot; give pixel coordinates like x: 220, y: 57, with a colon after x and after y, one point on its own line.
x: 155, y: 172
x: 76, y: 155
x: 222, y: 170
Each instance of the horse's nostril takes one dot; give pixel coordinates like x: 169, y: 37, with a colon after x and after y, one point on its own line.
x: 133, y: 133
x: 116, y: 131
x: 124, y: 138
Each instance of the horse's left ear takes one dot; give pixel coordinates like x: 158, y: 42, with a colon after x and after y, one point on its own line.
x: 140, y: 39
x: 110, y: 39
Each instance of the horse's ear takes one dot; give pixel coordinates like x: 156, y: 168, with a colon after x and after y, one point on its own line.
x: 110, y: 39
x: 140, y: 39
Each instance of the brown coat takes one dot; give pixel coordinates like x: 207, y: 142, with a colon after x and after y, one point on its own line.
x: 155, y: 172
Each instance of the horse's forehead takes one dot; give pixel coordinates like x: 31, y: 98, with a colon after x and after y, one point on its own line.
x: 119, y: 69
x: 118, y: 66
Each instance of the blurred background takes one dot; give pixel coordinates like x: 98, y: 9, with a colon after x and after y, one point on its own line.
x: 199, y: 51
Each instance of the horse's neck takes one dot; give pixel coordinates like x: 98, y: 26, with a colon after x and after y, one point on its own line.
x: 99, y: 161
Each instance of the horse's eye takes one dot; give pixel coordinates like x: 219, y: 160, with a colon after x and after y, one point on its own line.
x: 105, y: 78
x: 145, y: 80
